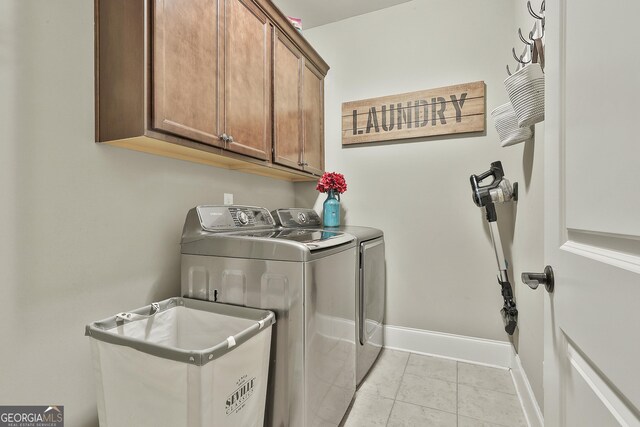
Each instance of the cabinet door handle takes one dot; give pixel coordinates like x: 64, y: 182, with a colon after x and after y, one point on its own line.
x: 303, y: 164
x: 224, y: 137
x: 230, y: 138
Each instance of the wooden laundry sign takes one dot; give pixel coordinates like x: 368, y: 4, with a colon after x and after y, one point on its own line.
x: 442, y: 111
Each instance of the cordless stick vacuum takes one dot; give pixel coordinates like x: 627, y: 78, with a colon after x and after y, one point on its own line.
x: 499, y: 190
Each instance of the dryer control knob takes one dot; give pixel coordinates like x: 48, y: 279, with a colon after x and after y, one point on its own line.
x: 243, y: 218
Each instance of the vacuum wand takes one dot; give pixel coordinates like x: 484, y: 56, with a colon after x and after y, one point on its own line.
x: 499, y: 190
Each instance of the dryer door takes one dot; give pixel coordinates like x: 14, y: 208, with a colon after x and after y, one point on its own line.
x: 372, y: 289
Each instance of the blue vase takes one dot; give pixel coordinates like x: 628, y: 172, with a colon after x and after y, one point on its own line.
x: 331, y: 209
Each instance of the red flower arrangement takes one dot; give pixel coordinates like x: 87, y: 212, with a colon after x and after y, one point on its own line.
x: 332, y: 181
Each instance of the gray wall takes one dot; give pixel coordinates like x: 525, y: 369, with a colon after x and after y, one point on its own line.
x: 441, y: 266
x: 86, y: 230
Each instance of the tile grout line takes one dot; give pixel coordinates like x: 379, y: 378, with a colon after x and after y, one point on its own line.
x: 389, y: 416
x: 457, y: 396
x: 433, y: 379
x: 426, y: 407
x: 398, y: 390
x: 395, y: 396
x: 429, y: 378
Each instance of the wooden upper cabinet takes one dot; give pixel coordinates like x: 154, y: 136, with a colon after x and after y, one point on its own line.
x: 287, y: 103
x: 185, y: 66
x: 313, y: 119
x: 247, y: 76
x: 298, y: 106
x: 229, y: 83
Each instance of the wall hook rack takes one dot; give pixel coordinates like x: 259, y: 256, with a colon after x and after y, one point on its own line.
x: 539, y: 15
x: 534, y: 45
x: 525, y: 41
x: 519, y: 59
x: 534, y: 14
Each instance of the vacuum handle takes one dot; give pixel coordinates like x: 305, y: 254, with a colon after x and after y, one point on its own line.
x: 481, y: 193
x: 496, y: 171
x: 486, y: 175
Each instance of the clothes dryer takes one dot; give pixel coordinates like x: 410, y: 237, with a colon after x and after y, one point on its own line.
x: 369, y: 282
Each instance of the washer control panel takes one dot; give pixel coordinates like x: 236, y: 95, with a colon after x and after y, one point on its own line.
x: 233, y: 217
x: 242, y: 217
x: 297, y: 217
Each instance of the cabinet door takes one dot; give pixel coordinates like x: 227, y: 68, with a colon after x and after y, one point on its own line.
x: 185, y: 69
x: 313, y: 119
x: 247, y: 65
x: 287, y: 103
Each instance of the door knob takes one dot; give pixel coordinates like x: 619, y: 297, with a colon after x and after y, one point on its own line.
x: 533, y: 280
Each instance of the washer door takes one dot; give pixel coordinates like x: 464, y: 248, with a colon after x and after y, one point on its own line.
x: 372, y: 289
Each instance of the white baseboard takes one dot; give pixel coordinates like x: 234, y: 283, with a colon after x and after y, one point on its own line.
x: 458, y: 347
x: 499, y: 354
x: 528, y: 400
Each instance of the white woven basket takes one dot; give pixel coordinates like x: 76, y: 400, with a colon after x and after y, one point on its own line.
x: 526, y: 91
x: 506, y: 124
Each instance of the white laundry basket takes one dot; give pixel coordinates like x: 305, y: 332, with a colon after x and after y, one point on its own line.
x: 182, y: 362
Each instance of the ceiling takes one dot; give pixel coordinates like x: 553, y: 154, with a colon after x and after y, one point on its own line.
x: 319, y: 12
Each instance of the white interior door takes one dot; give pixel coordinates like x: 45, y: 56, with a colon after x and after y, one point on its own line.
x: 592, y: 213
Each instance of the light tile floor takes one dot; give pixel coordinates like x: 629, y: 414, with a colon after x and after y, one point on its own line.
x: 407, y: 389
